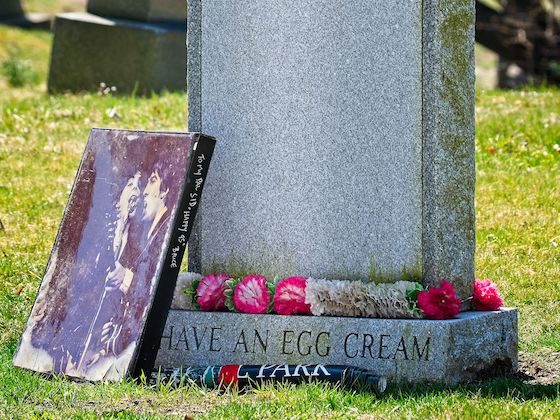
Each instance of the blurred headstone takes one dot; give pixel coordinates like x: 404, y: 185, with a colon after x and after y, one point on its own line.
x: 143, y: 10
x: 11, y: 13
x: 135, y: 46
x: 525, y: 35
x: 10, y: 8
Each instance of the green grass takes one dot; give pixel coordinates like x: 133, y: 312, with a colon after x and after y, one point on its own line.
x: 518, y: 196
x: 30, y: 47
x: 53, y: 6
x: 518, y: 207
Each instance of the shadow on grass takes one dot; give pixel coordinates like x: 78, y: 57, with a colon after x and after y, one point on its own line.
x: 510, y: 387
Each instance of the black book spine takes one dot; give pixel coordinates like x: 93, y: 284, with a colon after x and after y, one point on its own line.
x: 182, y: 227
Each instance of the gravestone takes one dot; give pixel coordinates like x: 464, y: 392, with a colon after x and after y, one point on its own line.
x: 11, y: 13
x: 349, y: 129
x: 346, y: 152
x: 135, y: 46
x: 10, y: 8
x: 143, y: 10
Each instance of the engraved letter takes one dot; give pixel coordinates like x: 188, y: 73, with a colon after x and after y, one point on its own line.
x: 366, y: 344
x: 346, y: 345
x: 382, y: 346
x: 416, y: 349
x: 182, y: 339
x: 263, y: 344
x: 169, y: 337
x: 307, y: 351
x: 285, y: 341
x: 327, y: 348
x: 241, y: 341
x: 401, y: 347
x: 214, y: 338
x: 197, y: 339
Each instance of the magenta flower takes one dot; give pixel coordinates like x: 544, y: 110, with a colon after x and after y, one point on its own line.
x: 210, y: 292
x: 289, y: 298
x: 486, y: 296
x: 251, y: 295
x: 440, y: 302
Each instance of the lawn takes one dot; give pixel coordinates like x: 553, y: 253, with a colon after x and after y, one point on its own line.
x: 518, y: 233
x: 53, y: 6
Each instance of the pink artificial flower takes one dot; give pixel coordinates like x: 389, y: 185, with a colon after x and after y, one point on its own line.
x: 251, y: 295
x: 289, y: 298
x: 486, y: 296
x: 440, y: 302
x: 210, y: 292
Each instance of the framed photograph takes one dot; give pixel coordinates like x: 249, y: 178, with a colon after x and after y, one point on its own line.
x: 103, y: 302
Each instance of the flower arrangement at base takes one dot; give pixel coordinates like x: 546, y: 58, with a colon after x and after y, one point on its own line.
x: 184, y: 296
x: 250, y: 295
x: 289, y: 298
x: 254, y: 294
x: 486, y: 296
x: 206, y: 293
x: 210, y: 292
x: 440, y: 302
x: 359, y: 299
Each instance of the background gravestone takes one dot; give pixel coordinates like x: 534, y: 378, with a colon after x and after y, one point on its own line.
x: 346, y: 151
x: 12, y: 13
x: 10, y: 8
x: 144, y: 10
x: 120, y: 45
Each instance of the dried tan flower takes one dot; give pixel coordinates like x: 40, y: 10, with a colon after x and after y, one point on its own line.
x: 359, y: 299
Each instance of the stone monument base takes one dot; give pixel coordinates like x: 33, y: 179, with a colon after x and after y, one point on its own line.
x: 133, y: 56
x: 474, y: 345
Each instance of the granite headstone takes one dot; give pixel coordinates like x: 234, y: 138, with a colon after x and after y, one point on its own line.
x: 347, y: 138
x: 346, y: 152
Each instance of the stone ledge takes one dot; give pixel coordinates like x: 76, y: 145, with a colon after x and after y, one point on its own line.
x: 452, y: 351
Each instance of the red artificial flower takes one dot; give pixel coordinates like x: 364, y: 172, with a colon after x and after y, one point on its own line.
x: 486, y: 296
x: 210, y: 292
x: 252, y: 295
x: 440, y: 302
x: 289, y: 298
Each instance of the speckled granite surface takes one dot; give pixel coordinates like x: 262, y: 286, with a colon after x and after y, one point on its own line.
x: 318, y: 169
x: 346, y: 150
x: 346, y: 137
x: 449, y: 143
